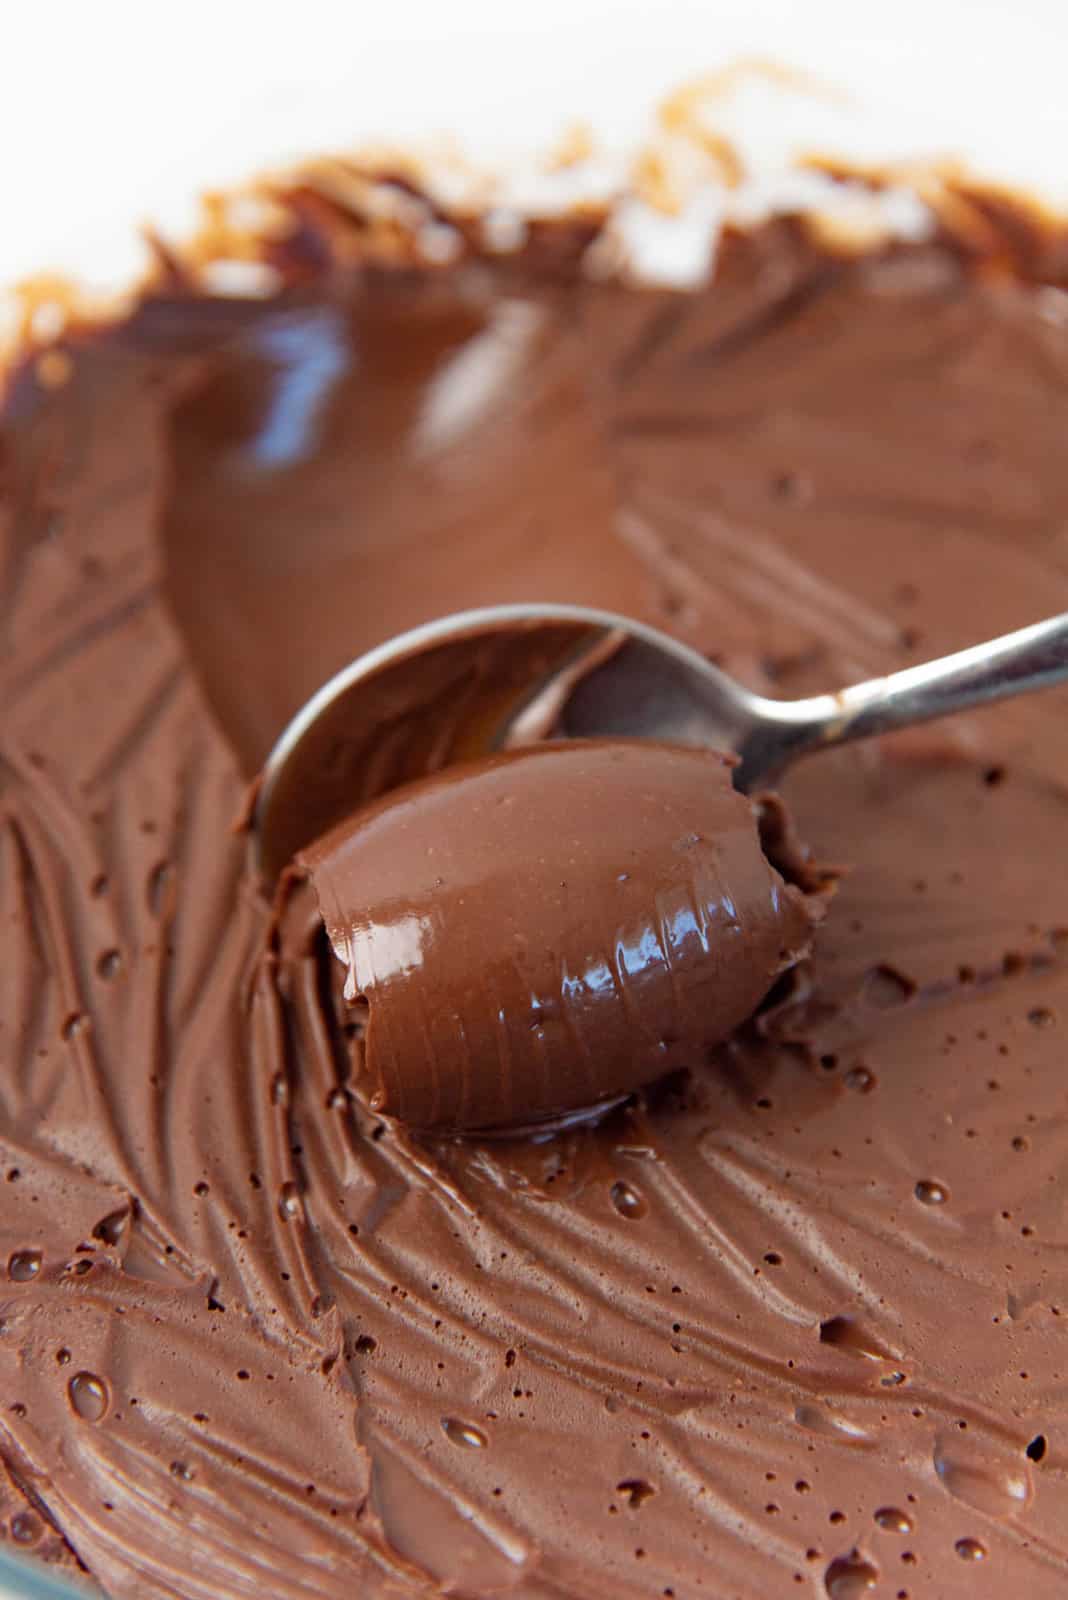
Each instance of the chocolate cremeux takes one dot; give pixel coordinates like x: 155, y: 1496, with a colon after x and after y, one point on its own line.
x: 794, y: 1321
x: 546, y: 929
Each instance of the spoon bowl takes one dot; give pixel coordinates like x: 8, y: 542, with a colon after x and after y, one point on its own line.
x: 491, y: 679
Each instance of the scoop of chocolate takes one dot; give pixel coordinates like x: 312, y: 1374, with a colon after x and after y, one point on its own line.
x: 553, y: 927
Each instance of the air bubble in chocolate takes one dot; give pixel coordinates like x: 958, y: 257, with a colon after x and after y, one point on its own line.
x: 849, y: 1577
x: 929, y: 1192
x: 464, y: 1434
x: 977, y: 1478
x: 893, y: 1520
x: 23, y: 1265
x: 628, y: 1201
x: 88, y: 1396
x: 970, y: 1550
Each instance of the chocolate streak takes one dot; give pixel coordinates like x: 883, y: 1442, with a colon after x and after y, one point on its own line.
x: 804, y: 1315
x: 551, y: 928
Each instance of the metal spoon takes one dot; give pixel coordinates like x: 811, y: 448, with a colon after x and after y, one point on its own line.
x: 479, y: 681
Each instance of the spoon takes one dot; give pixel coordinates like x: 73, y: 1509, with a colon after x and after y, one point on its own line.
x: 486, y: 680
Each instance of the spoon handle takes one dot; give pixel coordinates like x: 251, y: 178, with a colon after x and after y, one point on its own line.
x: 1031, y: 658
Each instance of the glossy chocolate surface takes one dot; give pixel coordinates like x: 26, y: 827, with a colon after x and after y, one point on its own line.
x: 552, y: 928
x: 794, y: 1324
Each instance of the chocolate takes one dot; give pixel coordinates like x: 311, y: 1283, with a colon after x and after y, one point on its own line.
x: 793, y: 1321
x: 551, y: 928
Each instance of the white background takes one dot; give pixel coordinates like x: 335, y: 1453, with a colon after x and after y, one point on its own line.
x: 115, y: 112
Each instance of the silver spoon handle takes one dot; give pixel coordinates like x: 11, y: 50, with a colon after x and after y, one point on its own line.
x: 1031, y: 658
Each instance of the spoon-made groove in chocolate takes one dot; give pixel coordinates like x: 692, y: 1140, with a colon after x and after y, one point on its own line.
x: 486, y: 680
